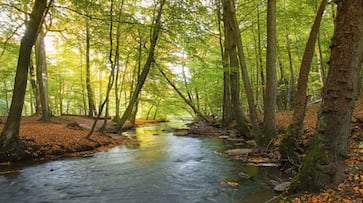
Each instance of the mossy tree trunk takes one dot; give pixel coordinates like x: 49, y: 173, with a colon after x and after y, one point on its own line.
x: 324, y: 164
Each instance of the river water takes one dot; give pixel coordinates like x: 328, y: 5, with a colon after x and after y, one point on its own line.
x: 162, y: 168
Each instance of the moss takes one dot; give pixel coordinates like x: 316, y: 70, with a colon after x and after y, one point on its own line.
x: 314, y: 173
x: 288, y: 142
x: 263, y: 140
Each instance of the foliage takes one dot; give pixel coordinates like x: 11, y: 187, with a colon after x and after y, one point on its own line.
x: 189, y: 47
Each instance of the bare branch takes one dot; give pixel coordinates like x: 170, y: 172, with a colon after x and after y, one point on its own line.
x: 8, y: 39
x: 13, y: 7
x: 99, y: 18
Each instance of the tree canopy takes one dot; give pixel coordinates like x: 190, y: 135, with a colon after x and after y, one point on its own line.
x: 188, y: 50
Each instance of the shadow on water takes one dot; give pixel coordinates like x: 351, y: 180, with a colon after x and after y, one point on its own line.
x: 162, y: 168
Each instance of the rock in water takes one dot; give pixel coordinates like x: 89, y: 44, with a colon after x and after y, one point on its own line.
x: 241, y: 151
x: 181, y: 132
x: 282, y: 186
x: 274, y: 182
x: 244, y: 175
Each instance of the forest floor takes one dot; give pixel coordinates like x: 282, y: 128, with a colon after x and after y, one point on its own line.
x: 66, y: 136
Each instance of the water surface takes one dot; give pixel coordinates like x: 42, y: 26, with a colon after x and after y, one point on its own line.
x: 162, y: 168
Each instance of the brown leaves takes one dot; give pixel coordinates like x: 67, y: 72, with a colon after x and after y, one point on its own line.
x: 228, y: 182
x: 49, y: 140
x: 351, y: 189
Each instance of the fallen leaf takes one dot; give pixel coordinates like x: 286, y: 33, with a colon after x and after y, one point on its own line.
x: 231, y: 183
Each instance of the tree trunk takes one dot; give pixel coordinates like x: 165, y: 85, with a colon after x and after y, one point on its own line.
x: 6, y: 96
x: 117, y: 63
x: 324, y: 164
x: 269, y: 129
x: 42, y: 76
x: 91, y: 103
x: 136, y: 75
x: 60, y: 93
x: 291, y: 91
x: 296, y: 126
x: 9, y: 141
x: 243, y: 66
x: 111, y: 80
x: 83, y: 87
x: 259, y: 48
x: 150, y: 60
x: 35, y: 89
x: 186, y: 100
x: 321, y: 66
x: 232, y: 100
x: 226, y: 105
x: 282, y: 88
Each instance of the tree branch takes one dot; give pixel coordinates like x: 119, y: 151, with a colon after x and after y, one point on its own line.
x: 13, y: 7
x: 8, y: 39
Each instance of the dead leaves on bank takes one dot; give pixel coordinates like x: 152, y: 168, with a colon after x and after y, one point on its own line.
x: 54, y: 139
x: 350, y: 191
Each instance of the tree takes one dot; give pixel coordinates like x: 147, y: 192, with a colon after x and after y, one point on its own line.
x: 232, y: 111
x: 9, y: 140
x: 118, y: 62
x: 155, y: 32
x: 185, y: 99
x: 33, y: 82
x: 42, y: 75
x: 110, y: 80
x: 301, y: 100
x: 296, y: 126
x: 269, y: 124
x: 324, y: 163
x: 90, y: 95
x: 243, y: 66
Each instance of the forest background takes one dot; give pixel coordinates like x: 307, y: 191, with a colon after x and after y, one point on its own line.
x: 148, y: 59
x: 77, y: 49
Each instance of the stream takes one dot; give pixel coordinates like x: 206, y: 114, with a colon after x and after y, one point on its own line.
x: 161, y: 168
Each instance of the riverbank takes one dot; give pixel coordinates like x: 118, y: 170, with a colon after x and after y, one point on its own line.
x: 246, y: 151
x: 65, y: 137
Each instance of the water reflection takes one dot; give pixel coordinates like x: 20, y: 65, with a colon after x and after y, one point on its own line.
x: 162, y: 168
